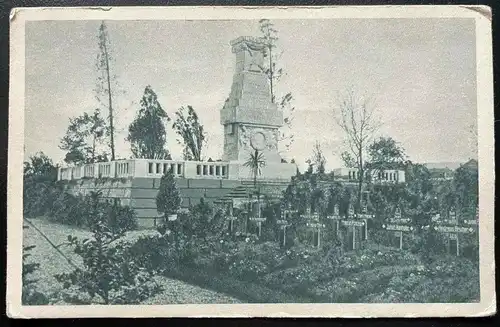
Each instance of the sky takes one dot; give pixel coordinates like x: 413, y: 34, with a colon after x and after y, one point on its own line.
x: 421, y: 73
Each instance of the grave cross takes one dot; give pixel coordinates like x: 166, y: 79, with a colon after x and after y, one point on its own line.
x: 398, y: 224
x: 230, y: 216
x: 309, y: 215
x: 336, y: 217
x: 365, y: 216
x: 258, y: 219
x: 283, y: 224
x: 317, y: 227
x: 353, y: 224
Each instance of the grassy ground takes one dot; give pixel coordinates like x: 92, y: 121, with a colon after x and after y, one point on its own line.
x: 51, y: 263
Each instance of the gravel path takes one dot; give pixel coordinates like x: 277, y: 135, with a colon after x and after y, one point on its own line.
x: 51, y: 262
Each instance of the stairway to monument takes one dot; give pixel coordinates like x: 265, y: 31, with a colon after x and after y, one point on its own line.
x: 270, y: 189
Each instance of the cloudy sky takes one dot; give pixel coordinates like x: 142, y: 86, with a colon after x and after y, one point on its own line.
x: 420, y: 71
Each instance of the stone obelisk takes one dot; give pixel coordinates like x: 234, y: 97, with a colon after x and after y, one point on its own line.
x: 251, y: 120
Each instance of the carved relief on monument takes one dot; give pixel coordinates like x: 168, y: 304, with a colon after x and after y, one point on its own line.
x: 257, y: 138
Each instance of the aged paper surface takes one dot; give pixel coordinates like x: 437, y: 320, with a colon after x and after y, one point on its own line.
x: 430, y: 70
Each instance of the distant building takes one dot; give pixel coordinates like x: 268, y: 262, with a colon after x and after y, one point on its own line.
x: 441, y: 174
x: 388, y: 176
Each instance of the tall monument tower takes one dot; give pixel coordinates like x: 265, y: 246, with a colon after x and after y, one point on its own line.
x: 251, y: 120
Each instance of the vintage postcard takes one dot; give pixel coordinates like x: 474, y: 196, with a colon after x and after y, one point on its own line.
x: 251, y: 162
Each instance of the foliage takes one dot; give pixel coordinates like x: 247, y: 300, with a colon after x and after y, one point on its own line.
x: 188, y: 127
x: 385, y: 153
x: 84, y: 135
x: 203, y: 221
x: 109, y: 275
x: 168, y: 199
x: 147, y: 134
x: 60, y: 206
x: 30, y: 294
x: 466, y: 184
x: 318, y: 158
x: 40, y: 175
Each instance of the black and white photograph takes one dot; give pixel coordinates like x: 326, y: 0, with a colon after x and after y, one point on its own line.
x: 212, y: 158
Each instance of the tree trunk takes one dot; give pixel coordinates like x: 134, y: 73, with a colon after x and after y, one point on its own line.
x: 110, y: 100
x: 93, y: 150
x: 360, y: 179
x: 271, y: 72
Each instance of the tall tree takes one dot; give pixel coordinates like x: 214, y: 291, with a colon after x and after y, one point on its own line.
x: 385, y: 153
x: 187, y: 125
x: 354, y: 114
x: 147, y: 134
x: 84, y: 136
x: 272, y: 55
x: 318, y: 158
x: 104, y: 80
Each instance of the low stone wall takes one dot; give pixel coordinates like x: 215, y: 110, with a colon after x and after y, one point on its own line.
x: 140, y: 193
x: 143, y: 193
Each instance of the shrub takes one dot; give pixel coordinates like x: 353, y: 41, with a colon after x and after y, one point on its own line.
x: 122, y: 218
x: 168, y: 200
x: 109, y: 275
x: 30, y: 294
x: 81, y: 211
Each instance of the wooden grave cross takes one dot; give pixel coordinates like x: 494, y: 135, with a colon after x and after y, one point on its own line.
x: 230, y: 215
x: 316, y: 227
x: 398, y: 224
x: 336, y: 217
x: 353, y: 224
x: 454, y: 230
x: 258, y: 219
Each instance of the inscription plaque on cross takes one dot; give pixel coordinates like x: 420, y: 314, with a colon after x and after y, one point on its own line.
x: 336, y: 217
x: 452, y: 230
x: 365, y: 216
x: 474, y: 221
x: 399, y: 225
x: 229, y: 213
x: 258, y: 219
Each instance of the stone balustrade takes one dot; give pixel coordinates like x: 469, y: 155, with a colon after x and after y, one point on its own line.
x: 147, y: 168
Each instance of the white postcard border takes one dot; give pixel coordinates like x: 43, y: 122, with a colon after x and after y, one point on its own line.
x: 482, y: 16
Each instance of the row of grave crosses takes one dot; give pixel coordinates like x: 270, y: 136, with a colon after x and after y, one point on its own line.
x: 448, y: 226
x: 452, y: 229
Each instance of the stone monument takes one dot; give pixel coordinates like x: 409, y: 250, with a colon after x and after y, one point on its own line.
x: 251, y: 120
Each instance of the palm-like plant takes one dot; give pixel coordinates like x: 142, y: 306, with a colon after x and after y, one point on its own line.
x: 255, y: 162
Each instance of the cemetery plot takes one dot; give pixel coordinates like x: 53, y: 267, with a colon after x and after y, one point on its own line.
x: 399, y: 229
x: 450, y: 228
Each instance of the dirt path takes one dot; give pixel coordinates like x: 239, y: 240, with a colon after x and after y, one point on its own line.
x: 51, y: 263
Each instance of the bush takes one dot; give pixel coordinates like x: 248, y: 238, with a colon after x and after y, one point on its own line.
x: 30, y: 294
x: 80, y: 211
x: 110, y: 273
x: 122, y: 218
